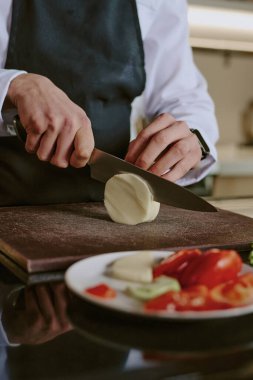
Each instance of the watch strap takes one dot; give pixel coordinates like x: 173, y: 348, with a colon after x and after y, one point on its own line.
x: 203, y: 145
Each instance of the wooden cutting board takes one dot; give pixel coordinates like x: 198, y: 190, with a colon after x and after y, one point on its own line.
x: 50, y: 238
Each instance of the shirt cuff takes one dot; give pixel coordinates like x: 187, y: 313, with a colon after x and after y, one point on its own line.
x: 6, y: 76
x: 4, y: 341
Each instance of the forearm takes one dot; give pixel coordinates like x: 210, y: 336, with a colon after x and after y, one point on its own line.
x: 174, y: 84
x: 6, y: 76
x: 196, y: 108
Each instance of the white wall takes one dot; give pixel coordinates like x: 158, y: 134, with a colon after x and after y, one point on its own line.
x: 230, y: 81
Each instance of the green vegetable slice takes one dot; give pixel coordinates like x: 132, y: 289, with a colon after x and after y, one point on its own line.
x: 251, y: 255
x: 161, y: 285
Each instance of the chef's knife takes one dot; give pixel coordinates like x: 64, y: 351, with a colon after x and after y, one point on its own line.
x: 104, y: 165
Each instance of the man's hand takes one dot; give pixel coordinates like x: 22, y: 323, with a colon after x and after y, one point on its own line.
x: 166, y: 148
x: 57, y: 129
x: 38, y: 316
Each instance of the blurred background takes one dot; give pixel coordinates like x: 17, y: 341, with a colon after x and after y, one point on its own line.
x: 221, y: 35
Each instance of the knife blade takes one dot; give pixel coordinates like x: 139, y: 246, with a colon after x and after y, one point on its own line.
x: 104, y: 165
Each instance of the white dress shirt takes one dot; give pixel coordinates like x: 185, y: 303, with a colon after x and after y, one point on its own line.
x: 173, y: 82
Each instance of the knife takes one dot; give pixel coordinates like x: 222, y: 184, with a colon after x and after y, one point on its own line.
x: 104, y: 165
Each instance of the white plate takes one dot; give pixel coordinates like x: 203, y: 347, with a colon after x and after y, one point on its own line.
x: 92, y: 271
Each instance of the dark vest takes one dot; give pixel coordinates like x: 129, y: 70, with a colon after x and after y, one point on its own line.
x: 92, y: 50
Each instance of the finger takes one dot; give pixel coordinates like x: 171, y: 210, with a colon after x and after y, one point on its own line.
x: 47, y: 145
x: 161, y: 141
x: 180, y: 169
x: 35, y: 126
x: 138, y: 145
x: 83, y: 147
x: 175, y: 154
x: 45, y: 303
x: 158, y: 143
x: 31, y: 302
x: 64, y: 148
x: 60, y: 304
x: 60, y: 299
x: 32, y: 142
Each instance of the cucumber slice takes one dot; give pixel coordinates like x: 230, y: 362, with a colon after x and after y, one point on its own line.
x: 161, y: 285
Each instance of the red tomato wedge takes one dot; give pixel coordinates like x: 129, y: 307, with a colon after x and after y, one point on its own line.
x: 236, y: 293
x: 175, y: 264
x: 193, y: 267
x: 212, y: 268
x: 101, y: 291
x: 195, y: 298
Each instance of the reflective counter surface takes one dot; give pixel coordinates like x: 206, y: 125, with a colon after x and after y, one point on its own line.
x: 48, y: 333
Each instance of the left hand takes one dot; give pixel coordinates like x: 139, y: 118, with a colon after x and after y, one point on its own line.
x: 166, y: 147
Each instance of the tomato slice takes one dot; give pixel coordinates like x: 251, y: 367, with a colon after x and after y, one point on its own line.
x: 101, y: 291
x: 192, y: 267
x: 195, y: 298
x: 175, y: 264
x: 246, y: 279
x: 212, y: 268
x: 210, y: 281
x: 236, y: 293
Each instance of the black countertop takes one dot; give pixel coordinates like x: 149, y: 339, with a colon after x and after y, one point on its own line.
x: 47, y: 333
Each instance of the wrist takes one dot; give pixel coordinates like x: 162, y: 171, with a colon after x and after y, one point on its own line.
x: 14, y: 89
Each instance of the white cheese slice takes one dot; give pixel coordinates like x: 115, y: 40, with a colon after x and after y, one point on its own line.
x: 137, y: 268
x: 129, y: 200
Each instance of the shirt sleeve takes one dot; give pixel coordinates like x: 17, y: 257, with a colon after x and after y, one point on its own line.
x: 174, y: 84
x: 6, y: 76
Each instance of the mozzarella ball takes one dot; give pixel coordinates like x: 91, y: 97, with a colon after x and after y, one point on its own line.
x: 129, y: 200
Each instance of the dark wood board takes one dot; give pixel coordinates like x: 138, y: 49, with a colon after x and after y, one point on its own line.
x: 50, y: 238
x: 11, y: 267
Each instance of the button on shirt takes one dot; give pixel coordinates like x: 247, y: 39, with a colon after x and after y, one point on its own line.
x: 173, y: 82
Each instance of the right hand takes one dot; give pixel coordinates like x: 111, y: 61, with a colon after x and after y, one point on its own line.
x: 58, y: 130
x: 37, y: 315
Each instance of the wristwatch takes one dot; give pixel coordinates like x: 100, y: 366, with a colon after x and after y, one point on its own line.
x: 203, y: 145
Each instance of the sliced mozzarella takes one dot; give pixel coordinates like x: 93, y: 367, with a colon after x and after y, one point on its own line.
x: 137, y: 268
x: 129, y: 200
